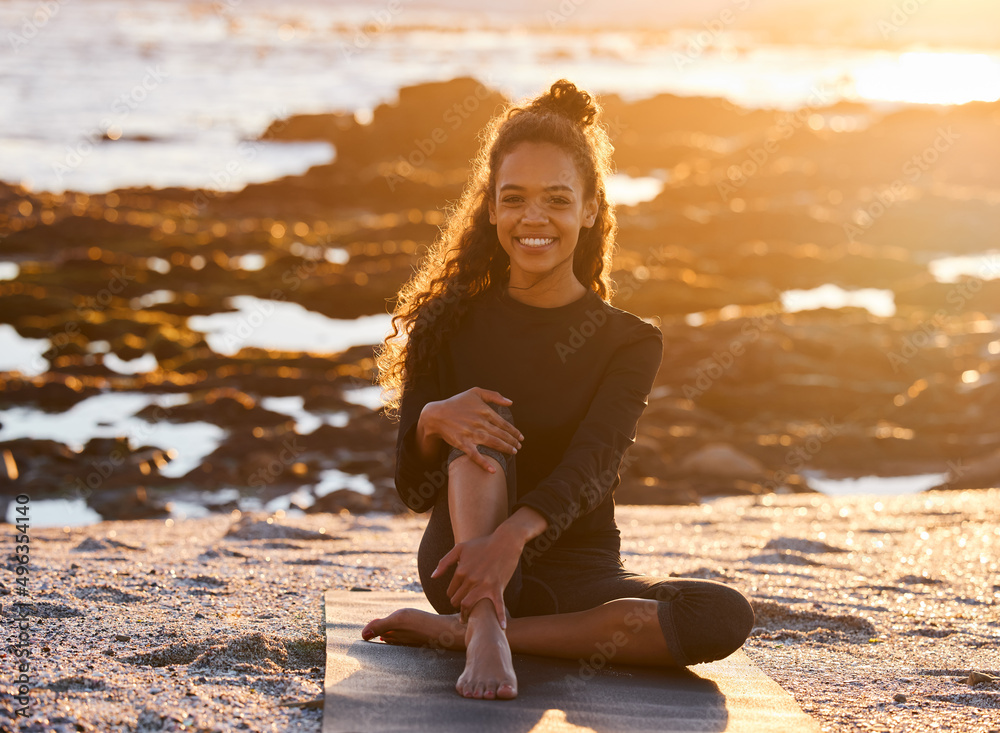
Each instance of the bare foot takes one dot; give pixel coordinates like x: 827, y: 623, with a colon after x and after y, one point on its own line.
x: 489, y: 671
x: 413, y: 627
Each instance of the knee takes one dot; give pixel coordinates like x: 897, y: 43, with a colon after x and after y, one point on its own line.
x: 493, y: 457
x: 503, y: 411
x: 711, y: 620
x: 741, y: 620
x: 731, y: 623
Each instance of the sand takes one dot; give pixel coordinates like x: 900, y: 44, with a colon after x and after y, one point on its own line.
x: 872, y: 612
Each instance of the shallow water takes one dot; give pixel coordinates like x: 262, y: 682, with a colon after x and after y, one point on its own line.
x: 876, y: 301
x: 874, y: 485
x: 110, y: 415
x: 984, y: 266
x: 111, y: 93
x: 272, y: 324
x: 20, y: 354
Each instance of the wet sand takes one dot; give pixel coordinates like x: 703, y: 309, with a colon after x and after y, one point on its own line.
x: 215, y: 624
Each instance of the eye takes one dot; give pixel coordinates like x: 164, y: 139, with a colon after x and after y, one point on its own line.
x: 559, y: 200
x: 511, y: 199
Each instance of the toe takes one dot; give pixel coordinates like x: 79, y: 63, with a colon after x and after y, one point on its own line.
x: 506, y: 691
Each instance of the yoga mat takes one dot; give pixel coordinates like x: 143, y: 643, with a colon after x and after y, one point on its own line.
x: 373, y: 687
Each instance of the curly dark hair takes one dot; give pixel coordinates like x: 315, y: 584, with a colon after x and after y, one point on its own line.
x: 467, y: 261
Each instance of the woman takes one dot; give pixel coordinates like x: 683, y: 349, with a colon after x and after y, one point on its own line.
x: 521, y: 389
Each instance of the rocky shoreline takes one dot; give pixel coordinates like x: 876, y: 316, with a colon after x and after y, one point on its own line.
x: 754, y: 203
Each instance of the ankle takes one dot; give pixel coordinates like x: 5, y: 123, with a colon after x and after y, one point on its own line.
x: 482, y: 612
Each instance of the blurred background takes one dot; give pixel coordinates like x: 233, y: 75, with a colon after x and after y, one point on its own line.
x: 206, y: 209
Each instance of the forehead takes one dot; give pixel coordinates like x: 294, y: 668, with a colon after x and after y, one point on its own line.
x: 538, y: 165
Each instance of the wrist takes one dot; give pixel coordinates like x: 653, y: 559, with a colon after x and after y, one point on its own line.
x: 523, y: 526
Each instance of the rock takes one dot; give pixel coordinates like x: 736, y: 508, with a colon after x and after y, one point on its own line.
x: 980, y: 678
x: 656, y: 492
x: 122, y: 504
x: 979, y: 473
x: 252, y: 527
x: 899, y: 697
x: 722, y: 459
x: 335, y: 501
x: 800, y: 545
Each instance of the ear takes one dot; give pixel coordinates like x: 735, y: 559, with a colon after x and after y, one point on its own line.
x: 590, y: 210
x: 493, y: 212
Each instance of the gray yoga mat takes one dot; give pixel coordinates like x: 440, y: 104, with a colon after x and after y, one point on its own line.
x: 372, y: 687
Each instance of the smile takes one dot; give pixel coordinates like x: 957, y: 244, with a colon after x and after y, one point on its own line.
x: 535, y: 242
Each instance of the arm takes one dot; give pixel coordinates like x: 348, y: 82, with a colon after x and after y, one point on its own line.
x: 419, y: 469
x: 590, y: 465
x: 486, y: 564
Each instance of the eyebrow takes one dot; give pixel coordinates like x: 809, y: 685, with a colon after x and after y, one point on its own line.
x: 554, y: 187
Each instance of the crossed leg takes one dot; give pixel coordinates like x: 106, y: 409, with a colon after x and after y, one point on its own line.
x: 625, y: 629
x: 477, y: 503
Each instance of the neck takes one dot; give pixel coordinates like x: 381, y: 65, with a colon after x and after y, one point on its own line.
x: 550, y: 298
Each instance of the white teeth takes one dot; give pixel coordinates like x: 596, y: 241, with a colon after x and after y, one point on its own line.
x: 534, y: 242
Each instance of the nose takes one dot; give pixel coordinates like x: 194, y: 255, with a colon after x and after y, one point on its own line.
x: 534, y: 213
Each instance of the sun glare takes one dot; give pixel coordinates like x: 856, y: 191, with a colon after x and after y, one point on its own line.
x: 931, y: 78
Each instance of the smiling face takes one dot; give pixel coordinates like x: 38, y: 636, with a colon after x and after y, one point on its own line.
x: 539, y: 209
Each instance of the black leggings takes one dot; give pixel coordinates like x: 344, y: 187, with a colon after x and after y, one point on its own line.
x: 701, y: 620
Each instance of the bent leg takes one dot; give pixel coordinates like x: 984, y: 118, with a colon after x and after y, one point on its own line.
x: 475, y: 502
x: 623, y: 631
x: 640, y: 631
x: 700, y: 620
x: 439, y: 535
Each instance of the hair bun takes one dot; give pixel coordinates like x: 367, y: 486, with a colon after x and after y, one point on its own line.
x: 564, y: 99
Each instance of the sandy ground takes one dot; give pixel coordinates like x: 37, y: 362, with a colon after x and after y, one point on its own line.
x: 872, y: 611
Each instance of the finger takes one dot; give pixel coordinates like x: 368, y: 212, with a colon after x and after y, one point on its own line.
x: 461, y: 590
x: 489, y: 466
x: 490, y: 395
x: 505, y: 431
x: 478, y: 458
x: 447, y: 561
x: 501, y: 612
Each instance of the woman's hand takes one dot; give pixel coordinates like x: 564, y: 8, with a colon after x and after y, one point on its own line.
x: 466, y: 421
x: 485, y: 566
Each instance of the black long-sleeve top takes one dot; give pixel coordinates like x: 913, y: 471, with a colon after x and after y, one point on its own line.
x: 578, y: 375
